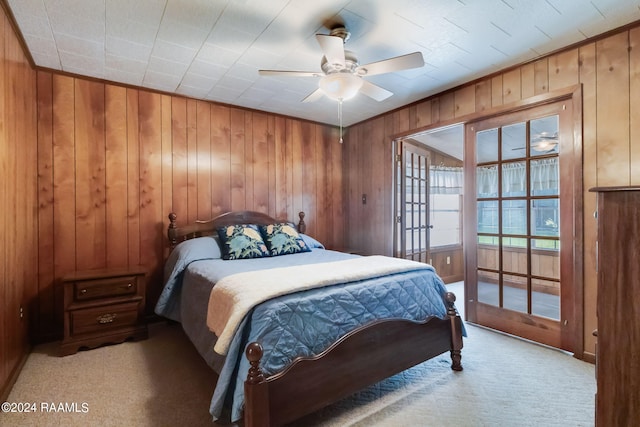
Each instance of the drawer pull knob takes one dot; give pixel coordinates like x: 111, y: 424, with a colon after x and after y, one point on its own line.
x: 83, y: 291
x: 106, y: 318
x: 129, y: 285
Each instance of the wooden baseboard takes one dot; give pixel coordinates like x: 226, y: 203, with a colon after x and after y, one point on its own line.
x: 11, y: 380
x: 588, y: 357
x: 453, y: 278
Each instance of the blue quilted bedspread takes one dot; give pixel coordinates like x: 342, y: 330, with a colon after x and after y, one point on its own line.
x: 300, y: 324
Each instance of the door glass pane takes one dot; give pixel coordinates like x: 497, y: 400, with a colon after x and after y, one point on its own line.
x: 514, y: 259
x: 545, y: 177
x: 514, y: 217
x: 487, y: 146
x: 545, y: 298
x: 487, y: 256
x: 514, y: 293
x: 514, y: 141
x: 545, y: 262
x: 488, y: 216
x: 487, y: 181
x: 514, y: 179
x: 446, y: 219
x: 544, y: 136
x: 488, y: 290
x: 545, y: 217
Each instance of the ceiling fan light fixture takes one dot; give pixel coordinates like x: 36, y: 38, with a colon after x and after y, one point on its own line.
x: 544, y: 145
x: 340, y: 86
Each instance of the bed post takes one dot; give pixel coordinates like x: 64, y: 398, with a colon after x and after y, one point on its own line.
x: 302, y: 227
x: 456, y: 332
x: 172, y: 229
x: 256, y: 393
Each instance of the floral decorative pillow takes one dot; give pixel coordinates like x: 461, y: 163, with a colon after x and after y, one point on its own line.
x: 241, y: 242
x: 283, y: 239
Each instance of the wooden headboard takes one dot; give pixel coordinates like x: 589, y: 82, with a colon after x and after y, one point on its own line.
x: 207, y: 228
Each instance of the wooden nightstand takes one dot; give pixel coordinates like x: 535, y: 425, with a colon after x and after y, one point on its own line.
x: 103, y: 307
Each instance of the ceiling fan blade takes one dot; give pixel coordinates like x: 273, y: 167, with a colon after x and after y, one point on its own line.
x: 333, y: 49
x: 289, y: 73
x: 314, y: 96
x: 374, y: 91
x: 404, y: 62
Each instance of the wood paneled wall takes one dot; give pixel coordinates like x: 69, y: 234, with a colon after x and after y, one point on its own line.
x: 18, y: 201
x: 114, y: 161
x: 609, y: 72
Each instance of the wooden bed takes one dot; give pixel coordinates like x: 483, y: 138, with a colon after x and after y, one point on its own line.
x: 357, y: 360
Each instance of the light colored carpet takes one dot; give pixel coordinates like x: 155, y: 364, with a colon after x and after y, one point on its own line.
x: 163, y: 382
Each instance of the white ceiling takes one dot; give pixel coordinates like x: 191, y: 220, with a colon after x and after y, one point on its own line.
x: 212, y: 49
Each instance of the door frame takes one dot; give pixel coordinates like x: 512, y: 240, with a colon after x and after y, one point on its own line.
x: 400, y: 235
x: 573, y: 336
x: 571, y: 94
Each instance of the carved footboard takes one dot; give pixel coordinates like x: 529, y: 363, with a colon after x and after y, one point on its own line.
x: 363, y: 357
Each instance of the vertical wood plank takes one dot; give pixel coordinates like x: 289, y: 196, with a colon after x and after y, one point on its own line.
x: 220, y: 162
x: 192, y: 161
x: 46, y: 271
x: 379, y: 197
x: 249, y: 164
x: 237, y: 163
x: 180, y: 165
x: 447, y: 107
x: 323, y: 188
x: 6, y: 362
x: 483, y: 95
x: 497, y: 91
x: 167, y: 166
x: 260, y: 126
x: 292, y: 185
x: 90, y: 174
x: 282, y: 191
x: 464, y: 101
x: 613, y: 111
x: 527, y: 87
x: 511, y: 82
x: 309, y: 175
x: 116, y: 176
x: 64, y: 205
x: 634, y: 108
x: 271, y: 148
x: 295, y: 137
x: 541, y: 70
x: 423, y: 114
x: 336, y: 232
x: 151, y: 221
x: 203, y: 160
x: 354, y: 183
x: 563, y: 70
x: 133, y: 177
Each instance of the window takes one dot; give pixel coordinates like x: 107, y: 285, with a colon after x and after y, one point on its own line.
x: 446, y: 214
x: 445, y: 197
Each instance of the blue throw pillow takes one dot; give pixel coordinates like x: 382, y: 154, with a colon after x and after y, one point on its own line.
x: 241, y: 242
x: 283, y: 239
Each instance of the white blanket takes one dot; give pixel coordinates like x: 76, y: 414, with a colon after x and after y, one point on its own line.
x: 234, y: 296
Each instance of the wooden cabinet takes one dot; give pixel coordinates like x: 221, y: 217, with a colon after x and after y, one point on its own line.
x: 618, y: 307
x: 103, y: 306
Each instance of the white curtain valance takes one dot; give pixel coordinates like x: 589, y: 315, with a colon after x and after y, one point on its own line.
x: 446, y: 180
x: 544, y: 176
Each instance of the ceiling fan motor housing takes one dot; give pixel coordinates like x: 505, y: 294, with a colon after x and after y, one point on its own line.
x: 340, y: 32
x: 350, y: 64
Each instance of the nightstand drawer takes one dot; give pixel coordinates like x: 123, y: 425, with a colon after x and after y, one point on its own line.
x: 91, y: 320
x: 103, y: 306
x: 102, y: 288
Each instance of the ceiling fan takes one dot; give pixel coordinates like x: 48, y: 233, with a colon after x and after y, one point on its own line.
x: 341, y: 77
x: 544, y: 142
